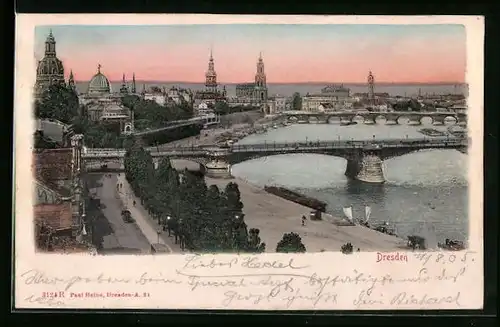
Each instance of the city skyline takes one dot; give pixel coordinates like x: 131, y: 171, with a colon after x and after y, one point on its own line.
x: 179, y: 53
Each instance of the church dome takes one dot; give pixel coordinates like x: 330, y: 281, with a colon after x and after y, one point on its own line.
x: 99, y: 83
x: 50, y: 66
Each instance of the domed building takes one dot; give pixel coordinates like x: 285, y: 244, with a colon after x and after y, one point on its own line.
x: 50, y: 69
x: 105, y: 106
x: 99, y: 84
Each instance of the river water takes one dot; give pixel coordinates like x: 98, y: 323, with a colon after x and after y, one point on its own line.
x: 425, y: 192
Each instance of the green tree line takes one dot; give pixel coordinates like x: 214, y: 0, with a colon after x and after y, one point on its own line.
x: 203, y: 219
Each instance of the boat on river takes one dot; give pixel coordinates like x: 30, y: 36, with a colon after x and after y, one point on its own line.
x: 452, y: 245
x: 348, y: 123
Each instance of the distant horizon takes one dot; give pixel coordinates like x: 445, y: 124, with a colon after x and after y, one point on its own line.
x: 128, y: 81
x: 292, y: 53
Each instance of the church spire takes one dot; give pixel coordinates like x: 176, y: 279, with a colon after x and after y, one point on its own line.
x: 211, y: 75
x: 133, y: 83
x: 124, y: 88
x: 50, y: 45
x: 260, y: 76
x: 71, y: 81
x: 371, y: 87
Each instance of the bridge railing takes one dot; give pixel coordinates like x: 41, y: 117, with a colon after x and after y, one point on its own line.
x: 348, y: 144
x: 274, y: 146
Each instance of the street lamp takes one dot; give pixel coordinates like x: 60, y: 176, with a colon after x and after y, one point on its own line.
x: 168, y: 225
x: 158, y: 232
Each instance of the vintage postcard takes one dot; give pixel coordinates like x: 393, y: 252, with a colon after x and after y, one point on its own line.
x: 248, y: 162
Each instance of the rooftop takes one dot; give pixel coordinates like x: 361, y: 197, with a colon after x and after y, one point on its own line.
x: 56, y: 216
x: 53, y: 164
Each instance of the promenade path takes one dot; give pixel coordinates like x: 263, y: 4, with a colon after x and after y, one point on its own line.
x: 116, y: 235
x: 144, y: 221
x: 275, y: 216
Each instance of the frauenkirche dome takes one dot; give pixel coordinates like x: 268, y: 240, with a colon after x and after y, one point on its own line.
x: 50, y: 69
x: 99, y: 83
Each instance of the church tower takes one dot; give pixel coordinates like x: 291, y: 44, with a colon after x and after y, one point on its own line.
x: 71, y: 81
x: 371, y: 86
x: 260, y: 82
x: 211, y: 75
x: 133, y: 84
x: 50, y: 69
x: 124, y: 88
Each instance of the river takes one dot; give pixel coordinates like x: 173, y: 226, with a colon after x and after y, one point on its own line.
x: 425, y: 192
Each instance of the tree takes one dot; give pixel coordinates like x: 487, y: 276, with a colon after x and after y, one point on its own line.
x: 291, y: 242
x: 346, y: 248
x: 254, y: 242
x: 41, y: 142
x: 296, y: 101
x: 222, y: 108
x: 58, y: 102
x: 233, y: 197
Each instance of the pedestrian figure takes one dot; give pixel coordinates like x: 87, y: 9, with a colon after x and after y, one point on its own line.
x: 359, y: 250
x: 303, y: 220
x: 134, y: 203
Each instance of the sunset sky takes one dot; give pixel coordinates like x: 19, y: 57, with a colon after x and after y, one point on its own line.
x: 291, y: 53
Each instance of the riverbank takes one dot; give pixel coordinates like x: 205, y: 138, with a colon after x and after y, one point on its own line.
x: 234, y: 131
x: 275, y: 216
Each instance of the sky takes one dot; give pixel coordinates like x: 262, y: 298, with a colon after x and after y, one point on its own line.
x: 291, y: 53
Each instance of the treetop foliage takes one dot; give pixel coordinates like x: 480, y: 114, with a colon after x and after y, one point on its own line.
x: 291, y: 242
x: 205, y: 218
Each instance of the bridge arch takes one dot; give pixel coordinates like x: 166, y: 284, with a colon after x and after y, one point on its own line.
x: 424, y: 120
x: 313, y: 119
x: 358, y: 118
x: 450, y: 120
x: 292, y: 119
x: 333, y: 119
x: 187, y: 163
x: 381, y: 118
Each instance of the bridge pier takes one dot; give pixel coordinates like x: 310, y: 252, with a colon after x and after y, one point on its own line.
x: 438, y: 120
x: 218, y: 166
x: 369, y: 120
x: 366, y: 168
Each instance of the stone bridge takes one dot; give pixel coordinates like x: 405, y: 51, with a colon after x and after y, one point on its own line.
x: 364, y: 158
x: 371, y: 117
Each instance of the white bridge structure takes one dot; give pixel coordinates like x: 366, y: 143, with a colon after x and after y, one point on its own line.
x: 364, y: 157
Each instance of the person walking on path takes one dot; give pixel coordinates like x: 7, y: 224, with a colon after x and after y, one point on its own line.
x: 303, y: 220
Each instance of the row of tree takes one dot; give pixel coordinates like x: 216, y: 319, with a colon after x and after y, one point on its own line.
x: 150, y: 114
x: 202, y: 218
x: 61, y: 103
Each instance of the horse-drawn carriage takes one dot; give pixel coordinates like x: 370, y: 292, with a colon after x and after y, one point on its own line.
x: 416, y: 242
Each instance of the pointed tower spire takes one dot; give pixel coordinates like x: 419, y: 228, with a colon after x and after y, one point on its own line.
x: 133, y: 83
x: 71, y: 81
x: 124, y: 88
x: 50, y: 45
x: 211, y: 75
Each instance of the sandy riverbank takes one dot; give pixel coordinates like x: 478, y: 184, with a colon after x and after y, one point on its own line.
x: 275, y: 216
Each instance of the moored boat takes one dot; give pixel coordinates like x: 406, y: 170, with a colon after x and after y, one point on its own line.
x: 452, y: 245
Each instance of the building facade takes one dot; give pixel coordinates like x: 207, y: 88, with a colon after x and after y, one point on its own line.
x: 60, y: 194
x: 331, y: 97
x: 211, y: 94
x: 50, y: 69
